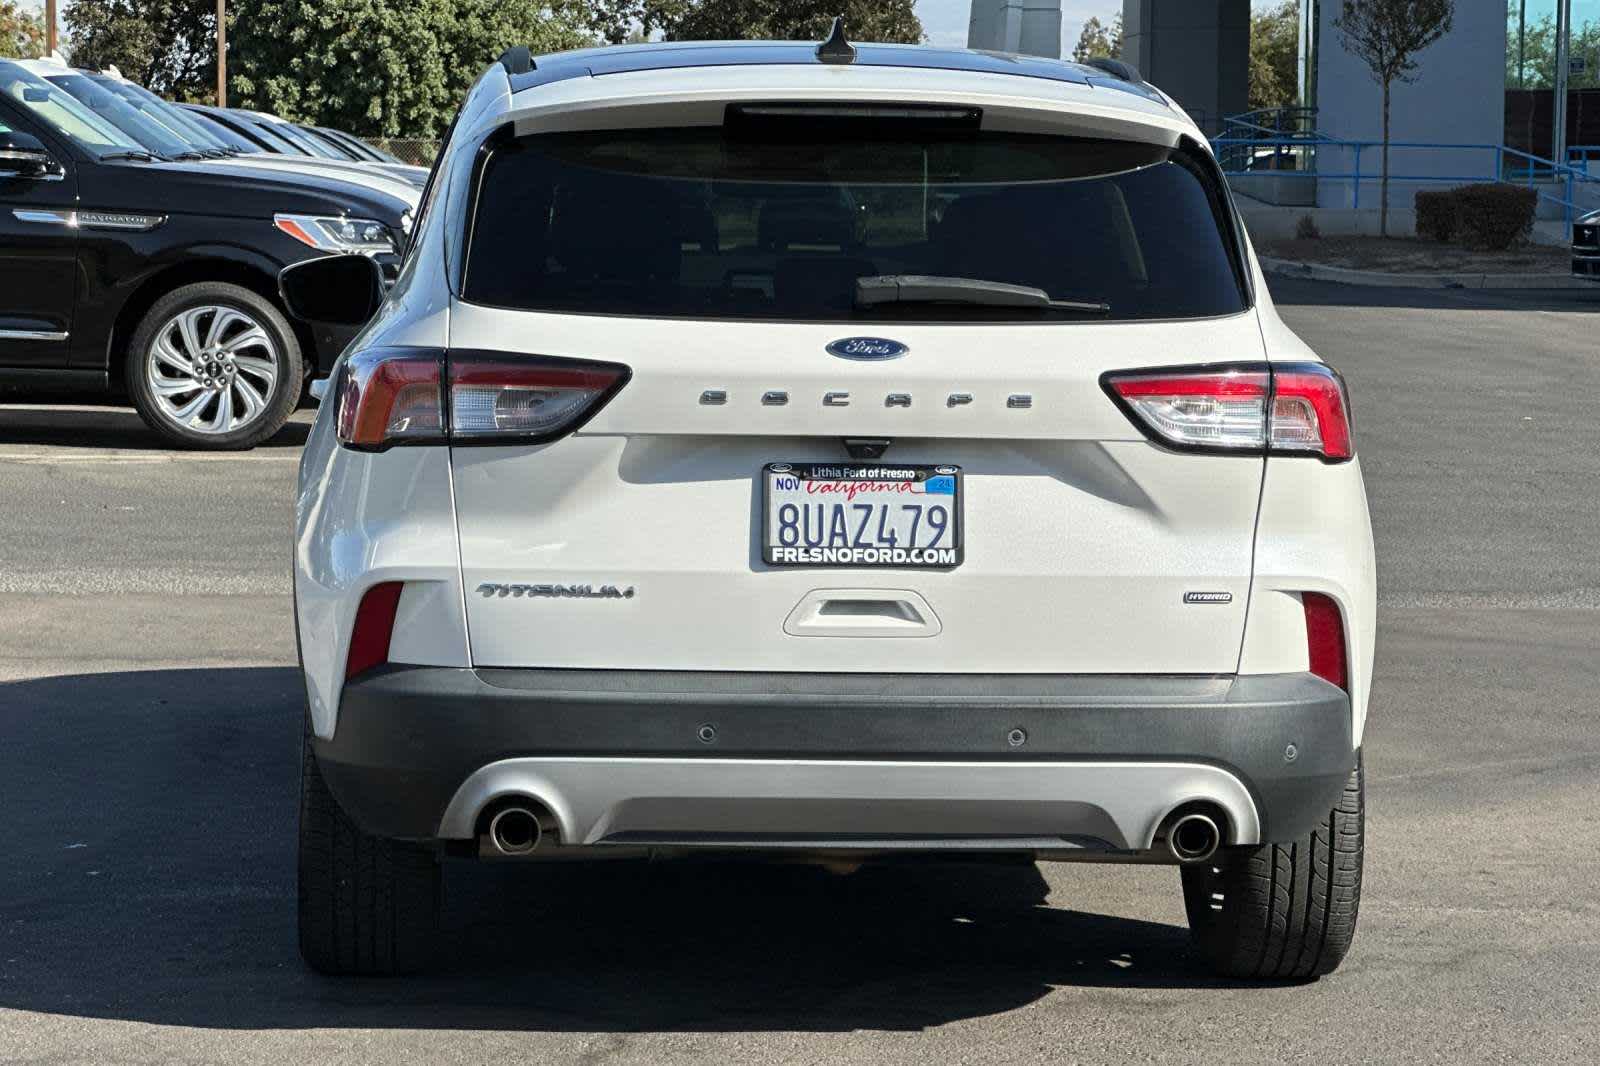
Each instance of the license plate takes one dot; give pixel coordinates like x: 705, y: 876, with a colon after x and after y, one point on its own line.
x: 878, y: 515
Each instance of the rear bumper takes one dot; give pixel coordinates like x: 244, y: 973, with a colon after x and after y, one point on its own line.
x: 626, y: 757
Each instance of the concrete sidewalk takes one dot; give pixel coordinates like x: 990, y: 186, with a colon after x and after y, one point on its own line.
x: 1471, y: 280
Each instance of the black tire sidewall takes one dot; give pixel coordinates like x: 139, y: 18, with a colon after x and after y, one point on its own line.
x: 1270, y: 924
x: 291, y: 369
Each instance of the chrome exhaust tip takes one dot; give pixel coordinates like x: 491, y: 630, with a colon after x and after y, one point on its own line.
x: 514, y: 831
x: 1193, y: 837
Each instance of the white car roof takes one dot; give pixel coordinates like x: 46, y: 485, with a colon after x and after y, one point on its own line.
x: 599, y: 77
x: 692, y: 81
x: 42, y: 67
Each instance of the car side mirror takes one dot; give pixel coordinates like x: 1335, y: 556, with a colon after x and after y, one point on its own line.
x: 22, y: 155
x: 335, y: 290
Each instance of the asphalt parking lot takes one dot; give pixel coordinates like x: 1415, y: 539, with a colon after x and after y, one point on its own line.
x: 148, y: 768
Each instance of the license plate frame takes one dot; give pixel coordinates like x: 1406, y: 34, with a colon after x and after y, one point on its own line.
x: 952, y: 549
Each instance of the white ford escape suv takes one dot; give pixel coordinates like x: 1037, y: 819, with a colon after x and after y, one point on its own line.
x: 840, y: 450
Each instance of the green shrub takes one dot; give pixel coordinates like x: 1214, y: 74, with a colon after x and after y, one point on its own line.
x: 1490, y: 217
x: 1494, y: 216
x: 1436, y: 215
x: 1306, y: 229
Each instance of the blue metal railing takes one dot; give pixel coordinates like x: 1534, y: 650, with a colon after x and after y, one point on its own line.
x: 1279, y: 121
x: 1308, y: 149
x: 1293, y: 129
x: 1578, y: 155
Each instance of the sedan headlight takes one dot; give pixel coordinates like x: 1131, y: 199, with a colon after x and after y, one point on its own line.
x: 338, y: 234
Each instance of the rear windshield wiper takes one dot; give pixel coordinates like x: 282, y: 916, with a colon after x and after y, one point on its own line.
x: 883, y: 289
x: 141, y: 157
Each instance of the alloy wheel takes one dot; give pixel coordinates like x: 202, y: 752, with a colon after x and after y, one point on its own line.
x: 212, y: 369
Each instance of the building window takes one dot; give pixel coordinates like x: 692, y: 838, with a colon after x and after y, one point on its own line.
x: 1583, y: 79
x: 1539, y: 33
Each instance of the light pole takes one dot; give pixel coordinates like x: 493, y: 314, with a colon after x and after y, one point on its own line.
x: 1558, y: 118
x: 1522, y: 46
x: 49, y: 27
x: 222, y: 53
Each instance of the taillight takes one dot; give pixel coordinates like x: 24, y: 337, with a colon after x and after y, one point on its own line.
x: 499, y: 398
x: 373, y: 629
x: 1206, y: 409
x: 390, y: 396
x: 1280, y: 409
x: 1309, y: 412
x: 1325, y: 639
x: 396, y: 396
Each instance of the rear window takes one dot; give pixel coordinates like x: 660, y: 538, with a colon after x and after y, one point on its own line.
x: 751, y: 221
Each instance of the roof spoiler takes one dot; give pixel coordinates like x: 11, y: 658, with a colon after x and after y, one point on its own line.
x: 1117, y: 69
x: 517, y: 60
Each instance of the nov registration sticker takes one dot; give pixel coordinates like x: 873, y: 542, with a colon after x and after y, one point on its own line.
x: 874, y: 515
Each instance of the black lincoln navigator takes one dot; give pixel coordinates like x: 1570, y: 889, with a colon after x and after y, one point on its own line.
x: 122, y: 268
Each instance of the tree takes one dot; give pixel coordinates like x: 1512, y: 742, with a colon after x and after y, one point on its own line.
x: 21, y: 32
x: 392, y: 68
x: 1387, y: 35
x: 1098, y: 42
x: 1275, y: 56
x: 617, y: 21
x: 1530, y: 49
x: 790, y: 20
x: 624, y: 21
x: 170, y: 46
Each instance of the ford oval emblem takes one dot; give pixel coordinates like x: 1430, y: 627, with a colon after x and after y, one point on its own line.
x: 867, y: 348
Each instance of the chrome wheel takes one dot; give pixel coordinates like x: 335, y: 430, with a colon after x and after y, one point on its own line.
x: 212, y: 369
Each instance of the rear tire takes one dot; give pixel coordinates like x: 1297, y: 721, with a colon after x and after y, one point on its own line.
x: 214, y: 366
x: 1283, y: 911
x: 368, y: 906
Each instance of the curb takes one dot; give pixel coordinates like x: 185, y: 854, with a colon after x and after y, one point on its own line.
x: 1290, y: 268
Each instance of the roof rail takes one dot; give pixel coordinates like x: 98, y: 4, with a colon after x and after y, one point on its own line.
x: 1117, y: 68
x: 517, y: 60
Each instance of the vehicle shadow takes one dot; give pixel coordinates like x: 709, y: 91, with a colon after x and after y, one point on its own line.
x: 104, y: 428
x: 151, y: 878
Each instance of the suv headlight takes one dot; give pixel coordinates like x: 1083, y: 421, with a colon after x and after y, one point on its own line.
x: 338, y: 234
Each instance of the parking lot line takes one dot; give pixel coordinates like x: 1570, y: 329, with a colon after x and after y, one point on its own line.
x: 52, y: 459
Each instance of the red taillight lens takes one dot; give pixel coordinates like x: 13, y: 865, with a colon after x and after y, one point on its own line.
x: 1325, y: 639
x: 1282, y: 409
x: 370, y: 636
x: 390, y: 396
x: 499, y: 398
x: 393, y: 396
x: 1309, y: 412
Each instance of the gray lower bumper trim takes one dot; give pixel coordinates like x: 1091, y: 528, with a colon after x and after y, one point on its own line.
x: 617, y: 801
x: 408, y: 738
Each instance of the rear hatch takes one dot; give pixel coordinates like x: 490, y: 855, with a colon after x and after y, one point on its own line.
x: 770, y: 402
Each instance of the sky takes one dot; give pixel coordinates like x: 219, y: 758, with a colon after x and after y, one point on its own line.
x: 946, y: 20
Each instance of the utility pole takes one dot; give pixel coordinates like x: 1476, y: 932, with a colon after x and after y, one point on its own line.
x: 49, y: 26
x: 222, y: 52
